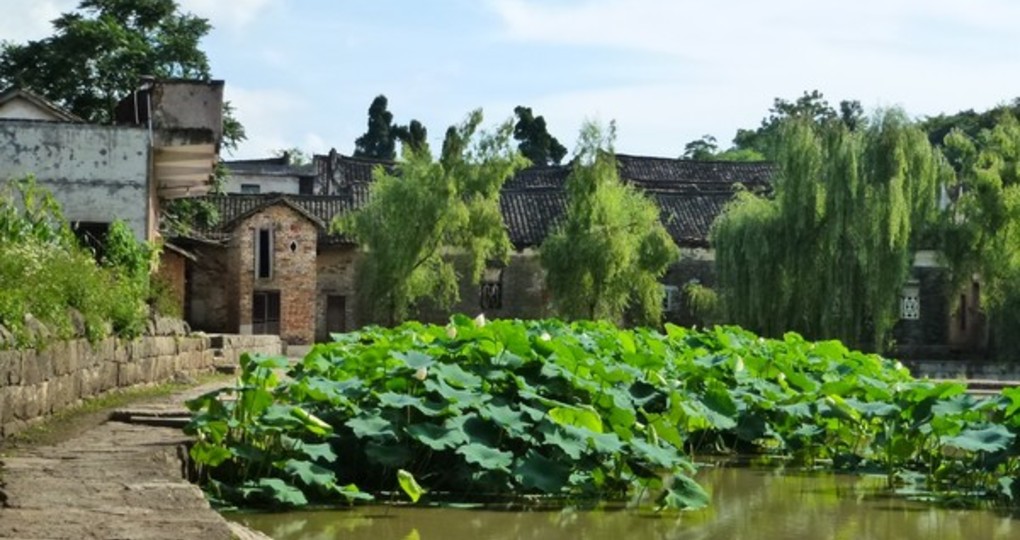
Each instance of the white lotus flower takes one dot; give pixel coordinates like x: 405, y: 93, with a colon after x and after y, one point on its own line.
x: 480, y: 320
x: 451, y: 331
x: 421, y: 373
x: 545, y: 336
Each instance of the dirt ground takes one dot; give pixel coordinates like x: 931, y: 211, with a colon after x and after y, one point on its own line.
x: 81, y: 476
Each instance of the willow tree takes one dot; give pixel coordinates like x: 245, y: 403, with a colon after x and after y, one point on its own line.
x: 608, y: 254
x: 828, y: 254
x: 982, y: 233
x: 423, y: 210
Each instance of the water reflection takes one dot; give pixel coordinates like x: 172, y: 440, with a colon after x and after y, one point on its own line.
x: 746, y: 503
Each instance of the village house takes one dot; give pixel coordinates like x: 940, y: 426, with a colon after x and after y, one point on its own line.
x: 271, y: 265
x: 163, y: 145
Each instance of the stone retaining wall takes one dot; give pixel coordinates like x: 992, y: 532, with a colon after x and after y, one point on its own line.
x: 36, y: 383
x: 963, y: 369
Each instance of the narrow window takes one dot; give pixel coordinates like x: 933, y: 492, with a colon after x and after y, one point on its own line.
x: 491, y: 292
x: 264, y: 254
x: 963, y: 312
x: 670, y: 298
x: 250, y: 189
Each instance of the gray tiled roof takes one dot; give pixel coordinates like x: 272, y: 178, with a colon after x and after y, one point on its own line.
x: 690, y: 195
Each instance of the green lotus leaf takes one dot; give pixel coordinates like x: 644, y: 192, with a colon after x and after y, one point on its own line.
x: 409, y: 485
x: 578, y: 417
x: 436, y: 437
x: 535, y: 471
x: 486, y: 457
x: 684, y: 494
x: 309, y: 473
x: 992, y: 438
x: 372, y: 426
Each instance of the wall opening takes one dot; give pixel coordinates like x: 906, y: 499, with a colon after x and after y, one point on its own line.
x: 265, y: 312
x: 336, y: 314
x: 264, y: 253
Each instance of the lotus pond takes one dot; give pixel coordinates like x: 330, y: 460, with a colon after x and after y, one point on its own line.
x: 764, y: 504
x: 540, y: 414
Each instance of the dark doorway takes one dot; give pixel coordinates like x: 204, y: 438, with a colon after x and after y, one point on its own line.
x: 265, y: 312
x: 92, y: 236
x: 336, y: 314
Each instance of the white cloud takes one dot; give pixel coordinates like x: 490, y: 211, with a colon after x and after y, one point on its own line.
x: 25, y: 20
x: 723, y: 62
x: 266, y: 115
x: 232, y: 14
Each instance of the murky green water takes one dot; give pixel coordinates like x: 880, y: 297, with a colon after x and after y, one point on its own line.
x: 746, y: 503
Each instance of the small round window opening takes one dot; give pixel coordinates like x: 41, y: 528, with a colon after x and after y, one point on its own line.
x: 293, y: 246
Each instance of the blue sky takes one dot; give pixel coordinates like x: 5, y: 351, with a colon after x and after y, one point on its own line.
x: 303, y: 72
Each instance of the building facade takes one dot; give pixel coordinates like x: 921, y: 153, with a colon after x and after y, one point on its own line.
x: 163, y: 146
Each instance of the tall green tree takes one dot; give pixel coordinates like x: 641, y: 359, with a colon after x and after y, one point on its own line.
x: 828, y: 255
x: 702, y: 149
x: 982, y: 231
x: 98, y: 54
x: 811, y: 106
x: 608, y: 254
x: 707, y: 149
x: 535, y: 142
x: 969, y: 122
x: 380, y: 140
x: 426, y: 209
x: 414, y: 135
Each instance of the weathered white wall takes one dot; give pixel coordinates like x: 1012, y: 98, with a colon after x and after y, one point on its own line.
x: 97, y: 173
x: 24, y: 110
x: 267, y: 183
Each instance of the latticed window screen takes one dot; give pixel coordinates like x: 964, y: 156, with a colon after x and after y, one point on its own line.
x: 910, y: 303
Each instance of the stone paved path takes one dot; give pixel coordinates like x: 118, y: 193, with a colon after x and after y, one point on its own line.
x: 119, y: 480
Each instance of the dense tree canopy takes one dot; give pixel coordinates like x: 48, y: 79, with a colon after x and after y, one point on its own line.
x: 828, y: 255
x: 536, y: 143
x: 426, y: 208
x: 98, y: 54
x: 982, y: 233
x: 970, y: 123
x: 609, y: 252
x: 380, y: 140
x: 707, y: 149
x: 811, y: 106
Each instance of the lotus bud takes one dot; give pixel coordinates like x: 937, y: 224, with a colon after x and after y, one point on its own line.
x: 545, y: 336
x: 740, y: 365
x: 421, y: 373
x: 781, y: 377
x: 451, y: 331
x: 480, y: 320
